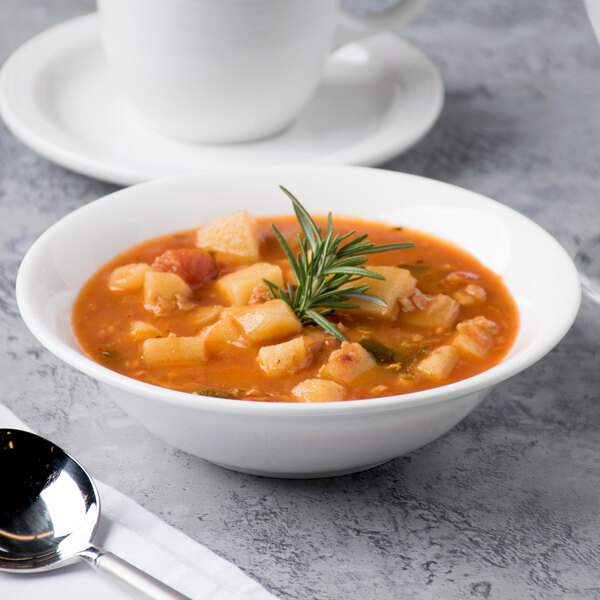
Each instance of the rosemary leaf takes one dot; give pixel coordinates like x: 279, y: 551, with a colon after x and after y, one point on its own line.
x: 325, y: 268
x: 366, y: 298
x: 328, y: 326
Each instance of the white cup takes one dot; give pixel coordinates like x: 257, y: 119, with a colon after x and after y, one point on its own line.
x: 226, y: 71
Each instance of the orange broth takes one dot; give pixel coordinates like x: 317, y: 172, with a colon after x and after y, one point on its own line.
x: 102, y: 320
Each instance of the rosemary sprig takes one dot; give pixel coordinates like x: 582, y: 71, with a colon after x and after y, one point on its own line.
x: 325, y: 268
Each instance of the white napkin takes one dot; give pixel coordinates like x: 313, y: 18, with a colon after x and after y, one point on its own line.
x: 143, y: 539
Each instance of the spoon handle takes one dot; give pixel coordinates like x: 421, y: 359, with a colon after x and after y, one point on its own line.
x: 132, y: 577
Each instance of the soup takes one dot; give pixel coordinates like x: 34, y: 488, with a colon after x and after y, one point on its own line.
x: 192, y: 311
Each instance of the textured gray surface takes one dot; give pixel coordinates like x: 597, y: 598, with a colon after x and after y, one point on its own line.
x: 506, y: 504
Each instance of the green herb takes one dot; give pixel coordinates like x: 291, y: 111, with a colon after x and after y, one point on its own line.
x: 404, y: 360
x: 325, y: 268
x: 415, y: 269
x: 381, y: 353
x: 216, y: 393
x: 398, y: 359
x: 112, y: 358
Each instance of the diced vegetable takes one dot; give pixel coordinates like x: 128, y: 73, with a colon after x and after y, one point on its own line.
x: 398, y: 283
x: 173, y: 350
x: 318, y: 390
x: 194, y: 265
x: 438, y: 363
x: 203, y: 315
x: 440, y: 313
x: 164, y: 292
x: 475, y: 336
x: 128, y: 278
x: 470, y: 295
x: 223, y: 334
x: 287, y: 357
x: 237, y: 286
x: 347, y: 363
x: 265, y: 322
x: 236, y: 235
x: 140, y: 330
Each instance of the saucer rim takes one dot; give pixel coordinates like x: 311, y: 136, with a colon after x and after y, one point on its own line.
x: 73, y: 33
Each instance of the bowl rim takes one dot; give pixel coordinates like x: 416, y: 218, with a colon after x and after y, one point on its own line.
x: 508, y: 367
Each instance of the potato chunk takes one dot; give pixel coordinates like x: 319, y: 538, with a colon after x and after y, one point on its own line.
x: 347, y: 363
x: 236, y: 234
x: 475, y: 336
x: 128, y: 278
x: 398, y: 284
x: 237, y: 286
x: 438, y: 363
x: 265, y: 322
x: 287, y: 357
x: 204, y: 315
x: 140, y: 330
x: 223, y: 334
x: 440, y: 313
x: 318, y: 390
x: 164, y: 292
x: 173, y: 350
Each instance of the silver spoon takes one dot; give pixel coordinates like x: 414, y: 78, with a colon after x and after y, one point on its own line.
x: 49, y: 510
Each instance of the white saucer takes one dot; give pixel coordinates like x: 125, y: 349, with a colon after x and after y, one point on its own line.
x: 378, y: 98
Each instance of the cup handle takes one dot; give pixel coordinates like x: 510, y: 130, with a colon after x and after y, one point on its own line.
x: 351, y: 27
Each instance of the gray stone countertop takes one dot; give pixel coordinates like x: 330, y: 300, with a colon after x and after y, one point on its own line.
x: 506, y: 505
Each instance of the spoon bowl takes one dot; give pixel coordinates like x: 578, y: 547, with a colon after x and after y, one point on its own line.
x: 49, y: 511
x: 49, y: 508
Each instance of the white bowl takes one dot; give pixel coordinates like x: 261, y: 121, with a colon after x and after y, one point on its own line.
x: 286, y: 439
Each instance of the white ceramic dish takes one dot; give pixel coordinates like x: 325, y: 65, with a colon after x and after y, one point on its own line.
x: 593, y: 9
x: 300, y: 440
x: 377, y: 98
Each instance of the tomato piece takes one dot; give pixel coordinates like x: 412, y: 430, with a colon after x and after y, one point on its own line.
x: 195, y: 266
